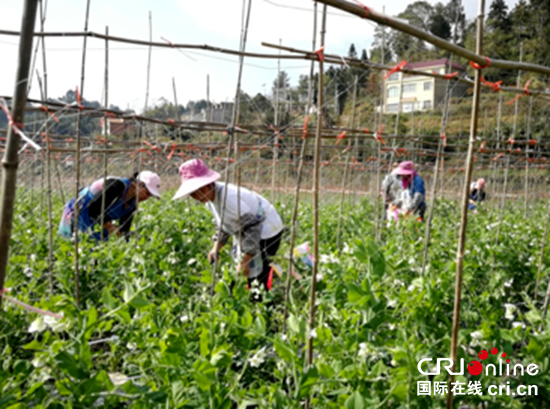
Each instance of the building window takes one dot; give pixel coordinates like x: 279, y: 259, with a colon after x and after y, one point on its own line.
x: 392, y: 108
x: 427, y: 105
x: 409, y: 88
x: 427, y: 86
x: 394, y: 77
x: 393, y: 92
x: 408, y: 106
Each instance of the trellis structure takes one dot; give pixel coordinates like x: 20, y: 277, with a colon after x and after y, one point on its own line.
x: 274, y: 155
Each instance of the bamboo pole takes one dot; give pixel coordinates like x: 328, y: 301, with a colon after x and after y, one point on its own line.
x: 276, y: 134
x: 379, y: 225
x: 11, y: 159
x: 208, y: 105
x: 346, y: 168
x: 43, y: 91
x: 148, y: 62
x: 176, y: 110
x: 528, y: 136
x: 465, y: 201
x: 77, y: 164
x: 316, y: 173
x: 436, y: 175
x: 105, y: 131
x: 299, y: 176
x: 230, y: 133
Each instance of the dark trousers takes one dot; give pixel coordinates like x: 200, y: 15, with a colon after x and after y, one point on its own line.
x: 269, y: 248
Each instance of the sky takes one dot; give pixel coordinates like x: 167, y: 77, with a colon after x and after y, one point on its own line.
x: 211, y: 22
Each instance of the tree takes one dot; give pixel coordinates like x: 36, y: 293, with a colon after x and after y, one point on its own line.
x: 439, y: 25
x: 454, y: 11
x: 497, y: 19
x: 281, y: 83
x: 352, y: 53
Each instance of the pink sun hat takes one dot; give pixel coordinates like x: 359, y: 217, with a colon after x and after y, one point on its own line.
x: 151, y: 180
x: 480, y: 183
x: 194, y: 175
x: 405, y: 168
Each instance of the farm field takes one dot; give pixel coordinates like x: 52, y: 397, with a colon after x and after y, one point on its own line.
x: 149, y: 334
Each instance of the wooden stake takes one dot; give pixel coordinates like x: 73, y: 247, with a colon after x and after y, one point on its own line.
x: 77, y: 165
x: 317, y: 156
x: 465, y: 201
x: 105, y: 131
x: 299, y: 178
x: 11, y: 157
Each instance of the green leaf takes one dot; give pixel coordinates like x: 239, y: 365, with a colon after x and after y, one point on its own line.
x: 204, y: 342
x: 356, y: 295
x: 202, y: 380
x: 400, y: 392
x: 128, y: 292
x: 108, y: 299
x: 247, y: 319
x: 355, y: 401
x: 259, y: 325
x: 139, y: 302
x: 307, y: 381
x: 34, y: 346
x: 284, y: 351
x: 69, y: 365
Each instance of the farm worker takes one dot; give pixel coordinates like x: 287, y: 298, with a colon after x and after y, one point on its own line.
x: 412, y: 199
x: 477, y: 193
x: 258, y: 224
x: 391, y: 188
x: 121, y: 198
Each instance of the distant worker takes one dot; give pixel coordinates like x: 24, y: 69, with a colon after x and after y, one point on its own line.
x: 391, y: 188
x: 259, y: 225
x: 413, y: 195
x: 477, y: 194
x: 121, y: 198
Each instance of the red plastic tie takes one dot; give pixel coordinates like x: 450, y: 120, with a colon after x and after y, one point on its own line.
x: 320, y: 53
x: 476, y: 66
x: 304, y: 130
x: 396, y: 68
x: 340, y: 137
x: 494, y: 85
x: 444, y: 137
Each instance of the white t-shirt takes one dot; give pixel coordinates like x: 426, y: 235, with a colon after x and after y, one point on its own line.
x: 251, y: 203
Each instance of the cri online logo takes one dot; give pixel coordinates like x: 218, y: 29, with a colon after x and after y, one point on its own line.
x: 475, y: 367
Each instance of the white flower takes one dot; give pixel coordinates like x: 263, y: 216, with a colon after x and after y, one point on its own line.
x: 184, y: 318
x: 392, y: 327
x: 392, y: 303
x: 410, y: 288
x: 398, y: 282
x: 508, y: 284
x: 518, y: 324
x: 477, y: 335
x: 33, y: 257
x: 510, y: 308
x: 191, y: 261
x: 312, y: 334
x: 258, y: 358
x: 37, y: 325
x: 172, y: 259
x: 131, y: 346
x: 222, y: 325
x: 363, y: 350
x: 347, y: 249
x: 118, y: 378
x: 168, y: 240
x: 27, y: 271
x: 281, y: 365
x: 394, y: 363
x: 284, y: 337
x: 38, y: 362
x: 319, y: 277
x: 54, y: 323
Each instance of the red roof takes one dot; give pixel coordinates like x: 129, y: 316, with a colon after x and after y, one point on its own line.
x: 433, y: 63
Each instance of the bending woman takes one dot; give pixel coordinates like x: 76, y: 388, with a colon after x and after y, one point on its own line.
x: 121, y: 198
x: 258, y: 224
x: 413, y: 195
